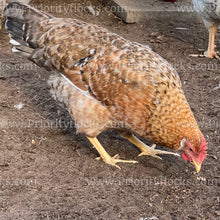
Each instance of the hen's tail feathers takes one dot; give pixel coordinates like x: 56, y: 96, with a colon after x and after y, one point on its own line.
x: 22, y: 23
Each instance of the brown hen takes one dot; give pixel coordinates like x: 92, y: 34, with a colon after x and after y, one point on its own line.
x: 108, y: 83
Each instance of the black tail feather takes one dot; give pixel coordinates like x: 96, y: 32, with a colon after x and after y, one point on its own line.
x: 22, y: 23
x: 14, y: 28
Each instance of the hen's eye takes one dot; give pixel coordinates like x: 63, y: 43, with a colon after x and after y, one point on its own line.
x: 191, y: 149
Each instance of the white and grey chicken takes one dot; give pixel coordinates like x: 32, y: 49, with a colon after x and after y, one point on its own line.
x: 209, y: 10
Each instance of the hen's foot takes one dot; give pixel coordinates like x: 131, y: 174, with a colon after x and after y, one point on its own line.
x: 114, y: 160
x: 208, y: 54
x: 105, y: 156
x: 146, y: 150
x: 211, y: 54
x: 215, y: 55
x: 150, y: 151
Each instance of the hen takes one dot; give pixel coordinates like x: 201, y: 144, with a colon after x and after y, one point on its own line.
x: 109, y: 82
x: 210, y: 13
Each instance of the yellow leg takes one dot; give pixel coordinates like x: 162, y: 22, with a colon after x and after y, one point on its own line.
x: 211, y: 48
x: 146, y: 150
x: 105, y: 156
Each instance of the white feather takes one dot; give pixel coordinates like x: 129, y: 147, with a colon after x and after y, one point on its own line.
x: 83, y: 92
x: 19, y: 106
x: 14, y: 42
x: 14, y: 50
x: 23, y: 27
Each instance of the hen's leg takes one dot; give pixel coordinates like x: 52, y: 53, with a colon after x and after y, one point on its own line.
x: 105, y: 156
x: 211, y: 48
x: 146, y: 150
x: 210, y: 53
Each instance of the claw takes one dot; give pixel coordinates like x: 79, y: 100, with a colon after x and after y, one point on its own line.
x: 116, y: 156
x: 153, y: 155
x: 115, y: 159
x: 197, y: 55
x: 211, y: 54
x: 150, y: 151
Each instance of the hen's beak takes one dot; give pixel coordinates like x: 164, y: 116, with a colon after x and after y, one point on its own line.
x: 197, y: 165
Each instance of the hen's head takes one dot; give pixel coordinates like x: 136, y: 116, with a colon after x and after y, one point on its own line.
x: 195, y: 154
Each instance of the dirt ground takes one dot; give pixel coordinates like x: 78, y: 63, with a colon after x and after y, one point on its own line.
x: 47, y: 171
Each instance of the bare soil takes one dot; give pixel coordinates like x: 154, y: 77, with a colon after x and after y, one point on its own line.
x: 47, y: 171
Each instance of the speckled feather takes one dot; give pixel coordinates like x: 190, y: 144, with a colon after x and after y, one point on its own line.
x: 110, y: 80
